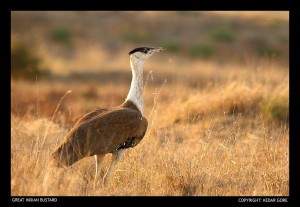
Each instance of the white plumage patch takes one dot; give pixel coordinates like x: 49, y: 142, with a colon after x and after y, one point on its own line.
x: 135, y: 94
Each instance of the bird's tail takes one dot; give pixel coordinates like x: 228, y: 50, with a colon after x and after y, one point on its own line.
x: 64, y: 156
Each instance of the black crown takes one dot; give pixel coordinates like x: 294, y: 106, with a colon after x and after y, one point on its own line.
x: 141, y: 49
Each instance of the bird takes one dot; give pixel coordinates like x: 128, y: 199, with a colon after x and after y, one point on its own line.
x: 109, y: 130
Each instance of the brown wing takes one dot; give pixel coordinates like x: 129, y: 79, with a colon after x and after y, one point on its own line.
x: 102, y: 133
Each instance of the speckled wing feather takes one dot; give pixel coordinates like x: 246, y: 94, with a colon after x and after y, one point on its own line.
x: 100, y: 132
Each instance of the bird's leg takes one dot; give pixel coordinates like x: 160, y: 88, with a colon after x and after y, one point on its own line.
x: 99, y: 161
x: 116, y: 156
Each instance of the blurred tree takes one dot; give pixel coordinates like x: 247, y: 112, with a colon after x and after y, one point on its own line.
x: 24, y: 61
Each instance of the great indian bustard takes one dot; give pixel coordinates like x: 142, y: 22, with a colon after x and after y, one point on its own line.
x: 109, y: 130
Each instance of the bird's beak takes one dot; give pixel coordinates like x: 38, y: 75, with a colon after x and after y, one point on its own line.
x: 158, y: 49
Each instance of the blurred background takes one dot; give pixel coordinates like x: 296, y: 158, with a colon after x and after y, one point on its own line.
x: 68, y: 42
x: 93, y: 47
x: 221, y: 86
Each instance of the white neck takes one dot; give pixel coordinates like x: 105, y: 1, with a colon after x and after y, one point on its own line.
x: 136, y: 88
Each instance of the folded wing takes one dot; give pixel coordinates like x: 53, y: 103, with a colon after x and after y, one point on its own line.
x: 100, y: 132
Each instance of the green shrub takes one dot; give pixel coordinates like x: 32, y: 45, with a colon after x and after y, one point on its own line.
x: 25, y: 62
x: 267, y: 51
x: 61, y: 35
x: 222, y: 34
x: 202, y: 50
x: 276, y: 108
x: 171, y: 46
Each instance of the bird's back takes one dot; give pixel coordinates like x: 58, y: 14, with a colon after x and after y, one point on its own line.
x: 101, y: 131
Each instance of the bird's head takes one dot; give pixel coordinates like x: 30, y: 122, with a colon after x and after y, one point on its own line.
x: 141, y: 54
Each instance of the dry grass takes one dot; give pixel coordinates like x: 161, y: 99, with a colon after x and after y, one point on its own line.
x: 216, y: 127
x: 201, y: 140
